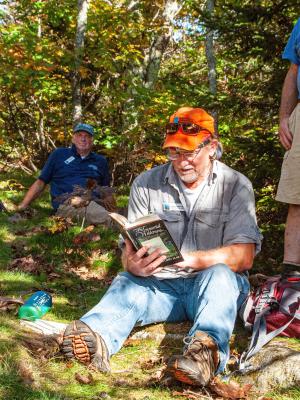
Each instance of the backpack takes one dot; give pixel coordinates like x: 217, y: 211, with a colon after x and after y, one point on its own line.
x: 272, y: 309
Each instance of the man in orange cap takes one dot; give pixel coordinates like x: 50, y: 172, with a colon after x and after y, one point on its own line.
x: 210, y: 212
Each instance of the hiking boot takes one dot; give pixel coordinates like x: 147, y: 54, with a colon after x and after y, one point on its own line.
x: 86, y: 346
x: 198, y: 363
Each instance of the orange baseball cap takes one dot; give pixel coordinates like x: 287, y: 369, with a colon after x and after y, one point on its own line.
x: 185, y: 141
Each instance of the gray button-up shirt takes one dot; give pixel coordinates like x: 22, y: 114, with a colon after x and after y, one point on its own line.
x: 224, y: 213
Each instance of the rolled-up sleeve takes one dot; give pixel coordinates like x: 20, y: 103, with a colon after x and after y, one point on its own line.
x: 241, y: 226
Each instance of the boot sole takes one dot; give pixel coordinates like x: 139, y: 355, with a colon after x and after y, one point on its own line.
x: 84, y: 345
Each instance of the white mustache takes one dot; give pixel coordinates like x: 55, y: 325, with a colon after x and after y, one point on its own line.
x: 187, y: 168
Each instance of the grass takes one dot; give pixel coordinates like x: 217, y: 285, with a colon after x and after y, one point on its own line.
x: 76, y: 276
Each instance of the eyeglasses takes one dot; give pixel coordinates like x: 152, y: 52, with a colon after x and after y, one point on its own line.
x: 187, y: 128
x: 174, y: 153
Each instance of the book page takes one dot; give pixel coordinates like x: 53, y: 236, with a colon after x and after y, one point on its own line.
x: 155, y: 243
x: 144, y: 220
x: 120, y: 219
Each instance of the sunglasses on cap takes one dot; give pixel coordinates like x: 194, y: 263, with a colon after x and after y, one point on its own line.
x: 187, y: 128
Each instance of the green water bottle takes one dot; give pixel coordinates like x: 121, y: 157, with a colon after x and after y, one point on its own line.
x: 36, y: 306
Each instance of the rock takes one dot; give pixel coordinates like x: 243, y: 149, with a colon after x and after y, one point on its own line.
x: 276, y: 365
x: 159, y: 337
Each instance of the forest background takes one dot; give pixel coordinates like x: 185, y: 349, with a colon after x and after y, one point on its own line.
x: 125, y: 66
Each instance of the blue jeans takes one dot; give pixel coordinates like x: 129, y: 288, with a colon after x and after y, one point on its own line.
x: 210, y: 300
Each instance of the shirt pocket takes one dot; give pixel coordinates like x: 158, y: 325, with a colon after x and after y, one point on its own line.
x: 174, y: 221
x: 209, y: 227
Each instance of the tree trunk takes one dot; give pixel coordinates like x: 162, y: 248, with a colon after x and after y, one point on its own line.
x: 159, y: 44
x: 149, y: 69
x: 211, y: 61
x: 83, y: 6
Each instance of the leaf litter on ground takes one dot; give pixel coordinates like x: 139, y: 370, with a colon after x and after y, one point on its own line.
x: 86, y: 236
x: 30, y: 264
x: 23, y: 215
x: 84, y: 379
x: 41, y: 346
x: 229, y: 390
x: 26, y: 372
x: 59, y: 224
x: 10, y: 303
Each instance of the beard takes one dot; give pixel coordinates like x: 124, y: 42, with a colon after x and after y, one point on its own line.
x: 190, y: 177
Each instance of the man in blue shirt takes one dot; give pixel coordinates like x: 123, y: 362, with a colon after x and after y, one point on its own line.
x: 289, y: 133
x: 70, y: 171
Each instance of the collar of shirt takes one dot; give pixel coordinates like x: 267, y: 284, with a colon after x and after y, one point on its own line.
x: 76, y: 154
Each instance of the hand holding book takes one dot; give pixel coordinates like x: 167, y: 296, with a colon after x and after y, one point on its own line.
x: 149, y: 231
x: 140, y: 262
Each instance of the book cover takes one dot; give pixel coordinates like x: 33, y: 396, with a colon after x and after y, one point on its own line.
x: 150, y: 231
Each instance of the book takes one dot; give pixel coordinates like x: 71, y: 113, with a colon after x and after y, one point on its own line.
x: 149, y: 231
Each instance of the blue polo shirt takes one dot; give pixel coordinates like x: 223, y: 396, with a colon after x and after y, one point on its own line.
x: 292, y: 50
x: 65, y: 168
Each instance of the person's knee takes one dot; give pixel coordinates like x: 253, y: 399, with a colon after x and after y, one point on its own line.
x: 219, y: 269
x: 129, y: 289
x: 219, y: 274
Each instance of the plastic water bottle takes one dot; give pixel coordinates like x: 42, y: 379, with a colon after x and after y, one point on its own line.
x: 36, y: 306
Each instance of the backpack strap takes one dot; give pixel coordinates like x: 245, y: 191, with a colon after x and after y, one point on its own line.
x: 260, y: 337
x: 264, y: 295
x: 245, y: 311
